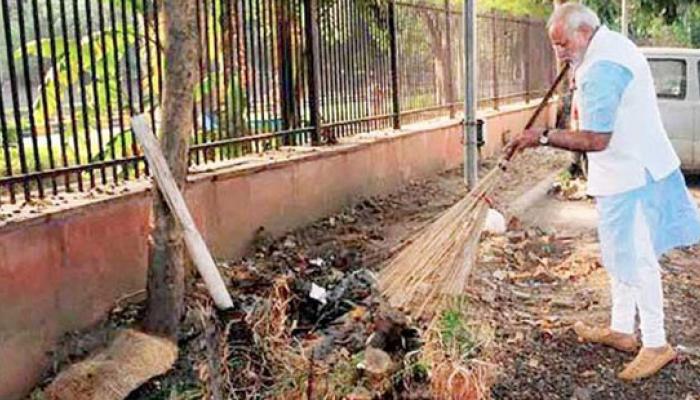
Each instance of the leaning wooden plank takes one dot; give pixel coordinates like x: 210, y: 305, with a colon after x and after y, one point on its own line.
x: 131, y: 359
x: 193, y: 239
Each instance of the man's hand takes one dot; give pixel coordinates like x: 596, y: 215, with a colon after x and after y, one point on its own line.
x: 528, y: 138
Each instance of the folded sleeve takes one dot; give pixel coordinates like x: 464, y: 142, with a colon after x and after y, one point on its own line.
x: 601, y: 91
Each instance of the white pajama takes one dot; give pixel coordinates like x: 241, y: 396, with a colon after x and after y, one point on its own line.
x: 642, y: 200
x: 645, y: 295
x: 635, y: 228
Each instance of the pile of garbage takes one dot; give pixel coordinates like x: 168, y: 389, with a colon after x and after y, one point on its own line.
x: 307, y: 320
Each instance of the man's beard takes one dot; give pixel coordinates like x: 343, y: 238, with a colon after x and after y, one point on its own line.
x: 576, y: 60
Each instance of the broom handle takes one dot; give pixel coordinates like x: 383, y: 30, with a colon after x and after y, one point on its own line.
x: 547, y: 96
x: 540, y: 107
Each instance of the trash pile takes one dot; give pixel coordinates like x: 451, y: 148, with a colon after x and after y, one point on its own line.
x: 307, y: 320
x: 339, y: 337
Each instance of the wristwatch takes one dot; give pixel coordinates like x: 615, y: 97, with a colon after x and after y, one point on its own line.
x: 544, y: 137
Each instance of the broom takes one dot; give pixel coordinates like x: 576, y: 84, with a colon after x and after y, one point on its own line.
x: 436, y: 262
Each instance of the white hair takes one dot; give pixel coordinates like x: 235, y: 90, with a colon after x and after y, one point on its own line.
x: 574, y: 16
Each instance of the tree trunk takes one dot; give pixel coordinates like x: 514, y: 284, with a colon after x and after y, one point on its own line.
x: 166, y: 270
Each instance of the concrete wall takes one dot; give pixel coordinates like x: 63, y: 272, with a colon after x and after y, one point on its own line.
x: 63, y: 270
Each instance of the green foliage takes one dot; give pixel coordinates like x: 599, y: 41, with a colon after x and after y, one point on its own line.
x: 104, y: 51
x: 608, y: 12
x: 692, y: 25
x: 532, y: 8
x: 67, y: 54
x: 32, y: 165
x: 456, y: 333
x: 657, y: 22
x: 121, y: 145
x: 652, y: 22
x: 683, y: 31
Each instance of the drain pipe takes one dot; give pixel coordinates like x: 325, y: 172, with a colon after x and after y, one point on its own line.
x: 469, y: 125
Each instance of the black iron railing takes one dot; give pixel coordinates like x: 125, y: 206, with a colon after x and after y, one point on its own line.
x: 271, y: 73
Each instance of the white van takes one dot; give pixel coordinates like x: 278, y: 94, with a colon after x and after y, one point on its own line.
x: 676, y: 73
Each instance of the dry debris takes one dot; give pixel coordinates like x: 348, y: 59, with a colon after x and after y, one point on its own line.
x: 532, y: 284
x: 308, y: 321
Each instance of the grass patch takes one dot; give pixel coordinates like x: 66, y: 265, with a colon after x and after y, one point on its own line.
x: 454, y: 346
x: 461, y: 338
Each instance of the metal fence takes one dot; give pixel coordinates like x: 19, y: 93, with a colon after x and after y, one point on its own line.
x: 271, y: 73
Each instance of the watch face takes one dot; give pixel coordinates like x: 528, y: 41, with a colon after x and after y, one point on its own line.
x: 544, y: 139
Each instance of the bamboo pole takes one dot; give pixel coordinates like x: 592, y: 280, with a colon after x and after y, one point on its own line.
x: 193, y: 239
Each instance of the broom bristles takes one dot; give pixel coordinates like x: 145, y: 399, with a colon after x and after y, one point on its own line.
x: 438, y: 259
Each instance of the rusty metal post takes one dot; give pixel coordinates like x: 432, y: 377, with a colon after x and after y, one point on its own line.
x: 396, y: 109
x: 285, y: 71
x: 314, y: 66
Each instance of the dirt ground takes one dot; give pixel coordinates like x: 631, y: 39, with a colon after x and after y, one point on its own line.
x: 528, y: 287
x: 534, y: 307
x: 552, y: 278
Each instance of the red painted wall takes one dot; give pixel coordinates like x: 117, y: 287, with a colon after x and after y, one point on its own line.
x: 63, y: 271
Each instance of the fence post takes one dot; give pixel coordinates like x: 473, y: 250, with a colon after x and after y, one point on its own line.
x: 286, y: 73
x: 494, y: 66
x: 394, y: 65
x: 314, y: 65
x: 448, y: 60
x: 526, y: 60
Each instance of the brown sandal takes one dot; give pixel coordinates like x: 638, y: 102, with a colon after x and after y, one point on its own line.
x: 647, y: 363
x: 605, y: 336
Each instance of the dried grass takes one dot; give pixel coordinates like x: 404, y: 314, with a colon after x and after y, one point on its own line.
x: 271, y: 363
x: 452, y: 351
x: 437, y: 262
x: 455, y: 381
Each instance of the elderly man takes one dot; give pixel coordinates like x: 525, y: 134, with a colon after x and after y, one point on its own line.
x: 642, y: 201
